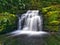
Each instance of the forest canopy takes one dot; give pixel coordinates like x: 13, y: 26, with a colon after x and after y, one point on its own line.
x: 19, y: 6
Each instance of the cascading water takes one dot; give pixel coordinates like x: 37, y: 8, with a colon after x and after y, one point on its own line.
x: 29, y: 30
x: 33, y: 21
x: 30, y: 23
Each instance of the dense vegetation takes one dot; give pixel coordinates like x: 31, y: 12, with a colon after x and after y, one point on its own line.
x: 20, y: 6
x: 51, y: 17
x: 12, y: 6
x: 7, y: 22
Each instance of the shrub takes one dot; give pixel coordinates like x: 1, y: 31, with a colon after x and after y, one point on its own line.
x: 51, y: 8
x: 51, y: 18
x: 8, y: 22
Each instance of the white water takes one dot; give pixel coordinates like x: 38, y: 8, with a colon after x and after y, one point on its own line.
x: 32, y: 24
x: 33, y: 21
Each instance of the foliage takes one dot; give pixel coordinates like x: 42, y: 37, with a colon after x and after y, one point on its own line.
x: 51, y: 17
x: 12, y: 6
x: 20, y: 6
x: 38, y: 4
x: 51, y: 8
x: 8, y: 22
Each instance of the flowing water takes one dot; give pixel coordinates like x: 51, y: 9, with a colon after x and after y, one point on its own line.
x: 29, y: 30
x: 30, y: 23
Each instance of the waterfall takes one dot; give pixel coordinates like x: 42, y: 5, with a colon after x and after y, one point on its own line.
x: 30, y: 23
x: 29, y: 30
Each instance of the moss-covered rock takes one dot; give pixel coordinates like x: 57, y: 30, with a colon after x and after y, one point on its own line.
x: 8, y: 22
